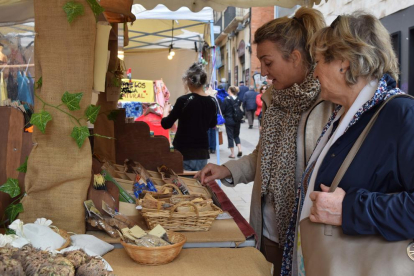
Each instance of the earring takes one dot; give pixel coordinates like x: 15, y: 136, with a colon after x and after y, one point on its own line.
x: 341, y: 70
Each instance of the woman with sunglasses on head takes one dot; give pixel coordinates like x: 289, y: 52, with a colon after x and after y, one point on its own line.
x: 293, y: 117
x: 359, y: 180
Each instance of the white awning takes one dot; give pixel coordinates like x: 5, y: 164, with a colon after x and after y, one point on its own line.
x: 21, y: 10
x: 154, y: 29
x: 197, y: 5
x: 162, y: 12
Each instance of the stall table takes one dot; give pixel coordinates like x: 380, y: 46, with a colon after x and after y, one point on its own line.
x: 223, y: 232
x: 197, y: 261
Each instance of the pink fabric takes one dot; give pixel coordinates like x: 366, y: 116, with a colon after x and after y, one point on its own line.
x: 162, y: 94
x: 259, y: 104
x: 154, y: 122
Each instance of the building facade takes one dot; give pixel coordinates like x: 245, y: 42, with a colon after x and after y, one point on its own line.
x: 236, y: 54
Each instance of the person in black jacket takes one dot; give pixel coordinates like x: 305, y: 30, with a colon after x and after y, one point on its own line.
x: 249, y: 105
x: 196, y: 114
x: 232, y: 127
x: 240, y: 95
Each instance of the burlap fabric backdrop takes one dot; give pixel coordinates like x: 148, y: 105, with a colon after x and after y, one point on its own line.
x: 59, y: 172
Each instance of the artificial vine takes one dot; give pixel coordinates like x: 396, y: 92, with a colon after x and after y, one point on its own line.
x: 74, y: 9
x: 71, y: 100
x: 96, y: 8
x: 11, y: 187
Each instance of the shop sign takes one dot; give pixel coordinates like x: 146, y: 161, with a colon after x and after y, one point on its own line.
x: 137, y: 91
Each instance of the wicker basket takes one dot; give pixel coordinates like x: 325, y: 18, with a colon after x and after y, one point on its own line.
x: 159, y: 195
x: 64, y: 235
x: 185, y: 221
x: 175, y: 199
x: 156, y: 255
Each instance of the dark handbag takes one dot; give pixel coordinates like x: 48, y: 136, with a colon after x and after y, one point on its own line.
x: 327, y: 251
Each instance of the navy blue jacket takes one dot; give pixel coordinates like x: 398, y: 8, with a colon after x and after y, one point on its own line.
x: 228, y: 111
x: 242, y: 90
x: 249, y: 100
x: 379, y: 183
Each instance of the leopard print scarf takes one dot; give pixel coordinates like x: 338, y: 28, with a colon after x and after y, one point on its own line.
x: 278, y: 147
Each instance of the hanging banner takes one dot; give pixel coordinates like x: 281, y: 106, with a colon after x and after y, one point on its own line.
x: 137, y: 91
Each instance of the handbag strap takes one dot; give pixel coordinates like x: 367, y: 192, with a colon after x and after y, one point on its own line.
x: 218, y: 105
x: 354, y: 150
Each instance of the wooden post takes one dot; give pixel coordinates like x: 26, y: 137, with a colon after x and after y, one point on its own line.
x: 105, y: 148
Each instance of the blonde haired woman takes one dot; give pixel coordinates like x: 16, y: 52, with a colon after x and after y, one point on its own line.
x: 292, y: 118
x: 357, y: 69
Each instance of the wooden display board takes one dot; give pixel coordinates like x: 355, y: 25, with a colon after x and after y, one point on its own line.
x: 133, y: 141
x: 15, y: 146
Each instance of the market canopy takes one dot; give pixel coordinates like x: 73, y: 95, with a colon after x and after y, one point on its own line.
x: 160, y: 27
x: 22, y: 10
x: 197, y: 5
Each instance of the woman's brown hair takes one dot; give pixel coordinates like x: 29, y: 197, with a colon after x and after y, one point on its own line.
x: 292, y: 33
x: 261, y: 88
x: 361, y: 39
x: 234, y: 90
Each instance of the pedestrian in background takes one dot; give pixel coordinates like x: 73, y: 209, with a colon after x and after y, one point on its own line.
x: 196, y: 113
x: 242, y: 90
x: 249, y: 105
x: 221, y: 95
x: 259, y: 103
x: 224, y: 84
x: 230, y: 106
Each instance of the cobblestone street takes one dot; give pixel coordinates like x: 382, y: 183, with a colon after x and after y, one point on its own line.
x: 240, y: 195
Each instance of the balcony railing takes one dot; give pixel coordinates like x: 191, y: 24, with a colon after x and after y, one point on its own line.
x: 232, y: 16
x: 229, y: 15
x: 218, y: 23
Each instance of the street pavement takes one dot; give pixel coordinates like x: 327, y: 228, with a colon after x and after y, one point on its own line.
x: 241, y: 194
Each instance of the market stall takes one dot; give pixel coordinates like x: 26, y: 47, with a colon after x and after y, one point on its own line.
x: 60, y: 186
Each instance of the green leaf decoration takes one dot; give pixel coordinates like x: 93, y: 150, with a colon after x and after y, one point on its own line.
x: 96, y: 8
x: 40, y: 120
x: 80, y: 134
x: 11, y: 187
x: 10, y: 232
x: 13, y: 210
x: 113, y: 115
x: 102, y: 136
x: 23, y: 167
x: 92, y: 112
x: 39, y: 83
x: 116, y: 82
x: 73, y: 10
x: 72, y: 100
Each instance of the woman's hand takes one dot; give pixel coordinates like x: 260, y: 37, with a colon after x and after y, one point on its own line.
x: 167, y: 108
x: 211, y: 172
x: 327, y: 207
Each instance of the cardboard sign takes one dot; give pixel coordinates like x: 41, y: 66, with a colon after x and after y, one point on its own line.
x: 137, y: 91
